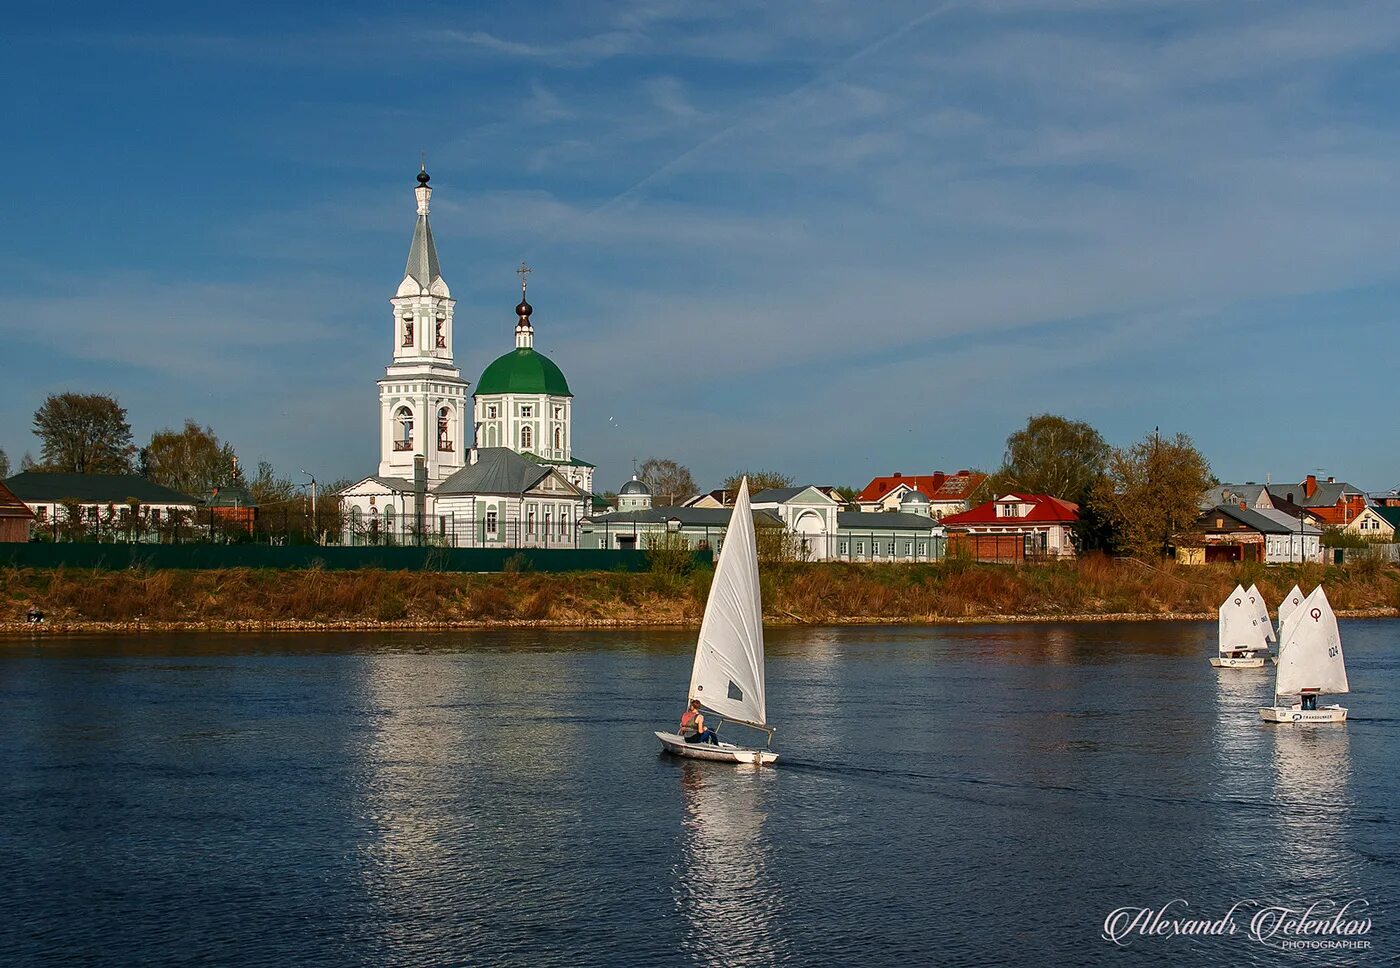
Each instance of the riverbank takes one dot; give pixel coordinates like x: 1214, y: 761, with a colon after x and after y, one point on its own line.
x: 827, y: 593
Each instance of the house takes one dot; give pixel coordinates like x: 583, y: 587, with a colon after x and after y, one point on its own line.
x: 1386, y: 499
x: 15, y: 516
x: 1375, y: 523
x: 233, y: 504
x: 1335, y: 501
x: 818, y: 527
x: 1014, y: 527
x: 947, y: 493
x: 100, y: 500
x: 710, y: 499
x: 1237, y: 532
x: 809, y: 513
x: 909, y: 534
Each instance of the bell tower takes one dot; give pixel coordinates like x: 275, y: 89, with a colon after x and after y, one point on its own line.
x: 423, y: 408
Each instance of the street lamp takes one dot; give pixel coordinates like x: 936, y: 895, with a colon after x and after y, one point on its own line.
x: 315, y: 529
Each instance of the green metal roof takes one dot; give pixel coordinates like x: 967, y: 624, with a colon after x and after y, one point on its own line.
x: 523, y: 371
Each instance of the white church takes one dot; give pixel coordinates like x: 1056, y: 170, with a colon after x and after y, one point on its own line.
x: 503, y: 475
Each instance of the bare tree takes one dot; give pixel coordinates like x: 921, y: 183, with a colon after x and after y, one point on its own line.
x: 669, y: 481
x: 758, y: 481
x: 4, y: 465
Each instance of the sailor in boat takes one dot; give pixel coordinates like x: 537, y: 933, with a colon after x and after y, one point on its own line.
x: 1309, y: 700
x: 693, y: 726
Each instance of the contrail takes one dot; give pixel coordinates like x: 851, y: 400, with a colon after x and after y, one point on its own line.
x: 781, y: 106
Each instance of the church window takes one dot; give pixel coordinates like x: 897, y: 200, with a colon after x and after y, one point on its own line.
x: 558, y: 413
x: 527, y: 411
x: 404, y: 417
x: 530, y: 520
x: 388, y: 520
x: 558, y: 438
x: 527, y: 437
x: 491, y: 412
x: 843, y: 547
x: 408, y: 331
x: 491, y: 523
x: 563, y: 522
x: 444, y: 420
x: 441, y: 337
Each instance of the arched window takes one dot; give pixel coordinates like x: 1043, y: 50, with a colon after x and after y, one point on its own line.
x: 404, y: 418
x: 408, y: 331
x: 388, y: 520
x: 444, y: 420
x: 527, y: 437
x: 558, y: 438
x: 441, y: 338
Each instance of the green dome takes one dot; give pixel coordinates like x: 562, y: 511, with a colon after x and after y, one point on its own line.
x: 523, y: 371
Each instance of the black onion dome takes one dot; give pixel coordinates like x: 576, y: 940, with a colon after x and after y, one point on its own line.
x: 524, y: 309
x: 423, y: 177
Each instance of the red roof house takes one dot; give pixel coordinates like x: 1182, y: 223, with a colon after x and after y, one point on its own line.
x: 946, y: 493
x: 15, y: 516
x: 1014, y: 527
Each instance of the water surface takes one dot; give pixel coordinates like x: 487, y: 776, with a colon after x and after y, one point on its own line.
x: 957, y: 795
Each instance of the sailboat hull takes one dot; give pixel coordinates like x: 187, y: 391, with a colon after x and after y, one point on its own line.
x: 721, y: 753
x: 1228, y: 662
x: 1301, y: 716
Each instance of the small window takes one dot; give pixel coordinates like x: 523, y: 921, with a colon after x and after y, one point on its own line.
x: 527, y: 411
x: 891, y: 549
x: 530, y: 522
x: 527, y: 438
x: 491, y: 523
x: 843, y: 547
x: 491, y: 412
x: 408, y: 331
x: 860, y: 547
x: 735, y: 692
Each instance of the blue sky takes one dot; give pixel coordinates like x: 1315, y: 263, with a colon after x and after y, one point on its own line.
x: 836, y: 239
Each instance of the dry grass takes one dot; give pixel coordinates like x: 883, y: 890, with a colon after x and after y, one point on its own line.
x: 823, y: 592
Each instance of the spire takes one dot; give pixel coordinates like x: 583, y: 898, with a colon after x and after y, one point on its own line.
x: 422, y: 254
x: 524, y: 332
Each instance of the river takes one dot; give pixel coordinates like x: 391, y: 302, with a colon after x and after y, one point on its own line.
x: 963, y: 795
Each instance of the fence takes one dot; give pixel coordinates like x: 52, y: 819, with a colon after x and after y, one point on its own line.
x: 210, y: 556
x: 1376, y: 552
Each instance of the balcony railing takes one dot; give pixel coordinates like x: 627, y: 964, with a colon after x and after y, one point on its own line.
x: 403, y: 445
x: 445, y: 445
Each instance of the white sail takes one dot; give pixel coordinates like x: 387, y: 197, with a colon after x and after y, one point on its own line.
x: 1310, y: 656
x: 1261, y: 609
x: 1239, y: 625
x: 728, y: 672
x: 1292, y: 600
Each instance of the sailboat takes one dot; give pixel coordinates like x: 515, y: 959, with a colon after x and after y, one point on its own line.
x: 1292, y: 600
x: 727, y: 676
x: 1261, y: 610
x: 1309, y: 663
x: 1243, y: 642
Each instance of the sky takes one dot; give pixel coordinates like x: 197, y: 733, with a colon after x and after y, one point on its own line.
x: 834, y: 239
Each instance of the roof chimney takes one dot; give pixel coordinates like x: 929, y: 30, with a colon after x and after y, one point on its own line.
x: 898, y: 474
x: 1331, y: 480
x: 1310, y: 485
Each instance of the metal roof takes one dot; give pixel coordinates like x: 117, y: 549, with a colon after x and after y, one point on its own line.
x: 41, y: 487
x: 688, y: 517
x: 422, y: 264
x: 497, y: 470
x: 884, y: 521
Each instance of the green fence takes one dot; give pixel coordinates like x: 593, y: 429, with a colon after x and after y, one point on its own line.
x: 118, y: 556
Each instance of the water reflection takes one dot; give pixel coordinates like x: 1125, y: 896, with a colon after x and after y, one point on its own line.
x: 726, y: 889
x: 1312, y: 793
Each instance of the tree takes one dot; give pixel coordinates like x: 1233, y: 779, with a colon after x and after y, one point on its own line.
x: 84, y: 433
x: 1053, y: 455
x: 758, y: 481
x: 669, y: 481
x: 1150, y: 492
x: 26, y: 463
x: 4, y: 465
x: 191, y: 461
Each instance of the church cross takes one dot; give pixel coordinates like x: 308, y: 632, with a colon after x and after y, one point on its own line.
x: 522, y: 272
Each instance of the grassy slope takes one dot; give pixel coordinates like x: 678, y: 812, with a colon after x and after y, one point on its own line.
x: 825, y: 592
